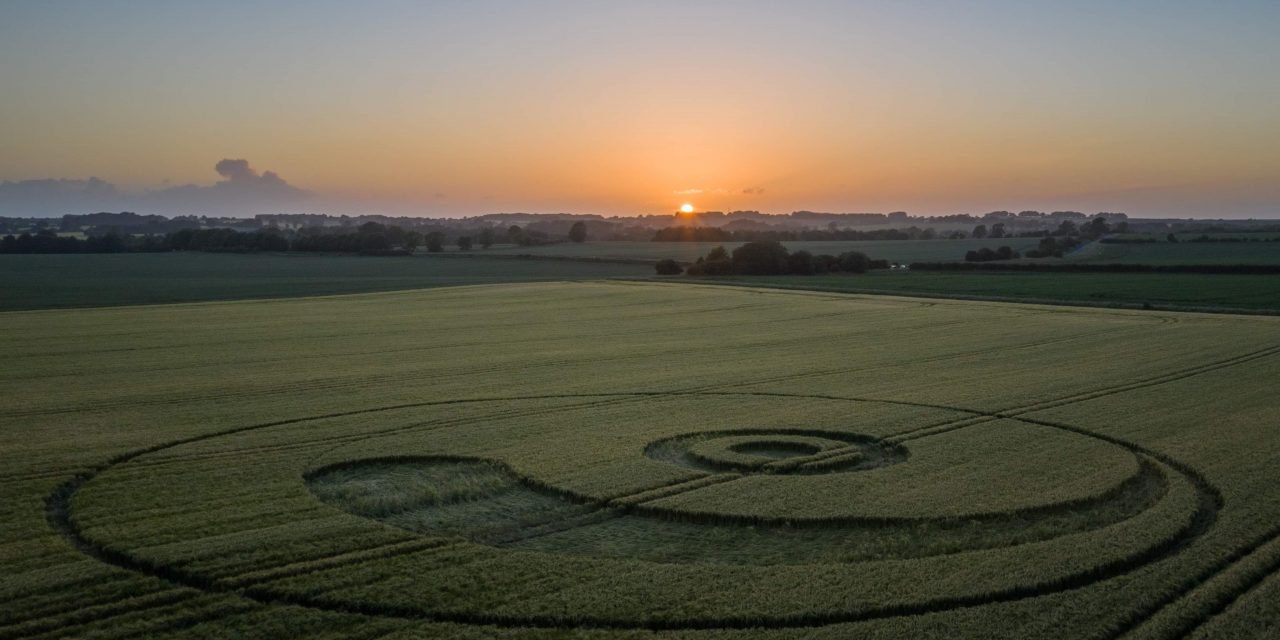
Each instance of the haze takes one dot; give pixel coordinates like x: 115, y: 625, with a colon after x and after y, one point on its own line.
x: 445, y: 109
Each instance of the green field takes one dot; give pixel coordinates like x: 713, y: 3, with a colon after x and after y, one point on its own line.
x: 1179, y: 253
x: 893, y: 250
x: 1247, y: 293
x: 637, y: 459
x: 88, y: 280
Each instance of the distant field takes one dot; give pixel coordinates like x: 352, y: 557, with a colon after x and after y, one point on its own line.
x: 1180, y: 253
x: 907, y: 251
x: 892, y: 250
x: 1245, y: 292
x: 44, y: 281
x: 637, y: 460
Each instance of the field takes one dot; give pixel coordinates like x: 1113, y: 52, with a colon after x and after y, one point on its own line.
x: 44, y: 281
x: 893, y: 250
x: 624, y: 459
x: 1245, y: 293
x: 1179, y: 253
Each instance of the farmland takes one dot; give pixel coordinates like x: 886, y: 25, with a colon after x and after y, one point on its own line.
x: 611, y: 459
x: 87, y: 280
x: 1184, y: 252
x: 1244, y: 293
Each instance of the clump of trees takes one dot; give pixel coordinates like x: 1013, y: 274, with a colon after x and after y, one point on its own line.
x: 1051, y: 247
x: 668, y: 267
x: 986, y: 254
x: 769, y: 257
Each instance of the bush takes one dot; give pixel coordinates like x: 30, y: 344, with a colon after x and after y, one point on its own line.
x: 668, y: 267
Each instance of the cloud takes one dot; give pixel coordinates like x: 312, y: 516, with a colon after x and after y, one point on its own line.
x: 720, y: 191
x: 242, y: 192
x: 55, y: 196
x: 235, y: 169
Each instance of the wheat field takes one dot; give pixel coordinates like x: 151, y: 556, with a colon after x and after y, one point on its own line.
x: 619, y: 459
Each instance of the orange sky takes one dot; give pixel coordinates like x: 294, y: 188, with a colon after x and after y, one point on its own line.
x: 603, y: 108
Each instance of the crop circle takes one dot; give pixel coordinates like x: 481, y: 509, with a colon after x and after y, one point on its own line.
x: 593, y: 516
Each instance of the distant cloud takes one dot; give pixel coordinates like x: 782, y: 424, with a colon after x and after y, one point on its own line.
x: 243, y: 192
x: 235, y: 169
x: 720, y: 191
x: 55, y: 196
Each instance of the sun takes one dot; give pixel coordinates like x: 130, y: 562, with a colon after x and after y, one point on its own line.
x: 686, y: 208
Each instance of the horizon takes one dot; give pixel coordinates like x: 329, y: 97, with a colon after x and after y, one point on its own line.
x: 1158, y: 110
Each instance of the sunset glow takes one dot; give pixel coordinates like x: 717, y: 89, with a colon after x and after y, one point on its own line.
x: 686, y: 208
x: 615, y: 108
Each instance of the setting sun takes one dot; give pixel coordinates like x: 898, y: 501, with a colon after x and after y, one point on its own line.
x: 686, y: 208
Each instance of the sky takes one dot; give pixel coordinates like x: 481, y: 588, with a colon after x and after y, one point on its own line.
x: 444, y: 108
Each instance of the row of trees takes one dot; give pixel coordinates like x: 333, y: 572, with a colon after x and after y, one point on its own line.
x: 720, y: 234
x: 368, y: 239
x: 986, y: 254
x: 769, y: 257
x: 1066, y: 238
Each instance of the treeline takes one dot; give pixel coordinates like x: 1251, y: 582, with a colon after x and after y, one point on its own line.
x: 370, y: 238
x: 769, y: 257
x: 720, y: 234
x: 1098, y: 268
x: 47, y: 241
x: 987, y: 255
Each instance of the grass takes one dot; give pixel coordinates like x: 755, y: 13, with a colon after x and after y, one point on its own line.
x: 1194, y: 291
x: 471, y: 462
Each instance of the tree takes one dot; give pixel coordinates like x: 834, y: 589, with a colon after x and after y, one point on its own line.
x: 980, y: 231
x: 854, y: 262
x: 1098, y: 227
x: 578, y: 232
x: 997, y: 230
x: 1172, y: 238
x: 515, y: 234
x: 800, y: 263
x: 464, y: 243
x: 668, y: 267
x: 435, y: 242
x: 717, y: 253
x: 825, y: 263
x: 760, y: 258
x: 485, y: 237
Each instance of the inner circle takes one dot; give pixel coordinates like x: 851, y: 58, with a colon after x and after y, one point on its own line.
x: 776, y: 451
